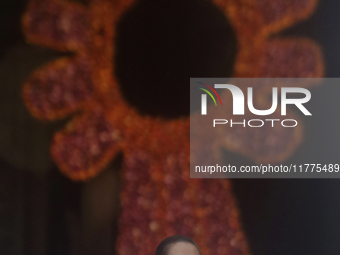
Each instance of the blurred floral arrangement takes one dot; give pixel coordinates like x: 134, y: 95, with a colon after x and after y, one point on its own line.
x: 158, y: 198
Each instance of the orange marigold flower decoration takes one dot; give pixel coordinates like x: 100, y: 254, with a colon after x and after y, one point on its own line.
x: 158, y: 198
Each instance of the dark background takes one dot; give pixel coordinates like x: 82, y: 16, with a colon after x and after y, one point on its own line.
x: 41, y: 212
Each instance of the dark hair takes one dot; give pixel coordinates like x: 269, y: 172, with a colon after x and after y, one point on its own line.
x: 164, y: 246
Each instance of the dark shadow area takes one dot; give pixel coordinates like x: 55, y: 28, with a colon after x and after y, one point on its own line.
x: 161, y: 44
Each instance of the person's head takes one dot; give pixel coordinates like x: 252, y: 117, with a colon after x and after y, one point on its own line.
x: 178, y: 245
